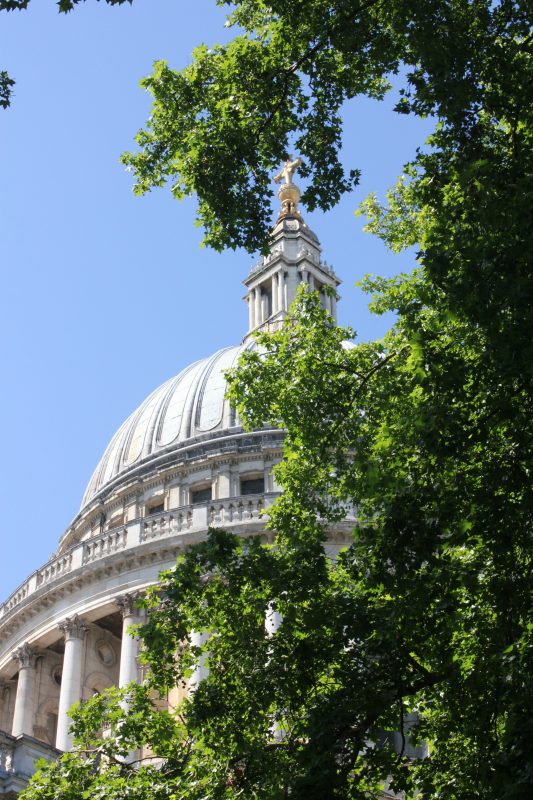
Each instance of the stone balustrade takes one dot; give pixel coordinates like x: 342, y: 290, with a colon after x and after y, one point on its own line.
x: 17, y: 597
x: 226, y: 513
x: 304, y: 252
x: 350, y: 511
x: 231, y: 511
x: 236, y: 509
x: 54, y: 569
x: 104, y: 544
x: 165, y: 524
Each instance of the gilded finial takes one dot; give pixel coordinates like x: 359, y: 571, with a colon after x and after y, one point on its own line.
x: 288, y: 192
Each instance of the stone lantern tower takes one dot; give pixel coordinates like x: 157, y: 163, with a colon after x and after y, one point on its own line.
x: 294, y: 258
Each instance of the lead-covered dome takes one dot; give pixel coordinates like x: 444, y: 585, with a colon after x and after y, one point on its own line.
x: 193, y: 404
x: 188, y: 405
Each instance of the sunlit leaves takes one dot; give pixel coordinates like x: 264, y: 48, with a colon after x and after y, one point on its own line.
x: 280, y: 85
x: 428, y: 433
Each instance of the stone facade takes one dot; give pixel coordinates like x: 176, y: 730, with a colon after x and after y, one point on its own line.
x: 18, y: 755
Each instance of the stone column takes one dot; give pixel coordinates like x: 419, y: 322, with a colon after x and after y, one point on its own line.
x: 250, y: 301
x: 5, y: 697
x: 129, y: 651
x: 264, y: 307
x: 258, y: 309
x: 281, y: 291
x: 291, y: 285
x: 201, y: 671
x: 333, y: 302
x: 311, y: 281
x: 275, y: 293
x: 74, y: 630
x: 272, y: 620
x: 25, y: 656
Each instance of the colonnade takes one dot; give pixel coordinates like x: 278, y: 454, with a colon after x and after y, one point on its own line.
x: 258, y: 300
x: 74, y: 630
x: 281, y: 288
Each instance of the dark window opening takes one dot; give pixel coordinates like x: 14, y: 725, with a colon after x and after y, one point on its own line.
x: 252, y: 485
x: 158, y: 509
x: 268, y: 295
x: 201, y: 495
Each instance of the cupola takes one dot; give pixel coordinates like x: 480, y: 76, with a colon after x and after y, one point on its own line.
x: 294, y: 257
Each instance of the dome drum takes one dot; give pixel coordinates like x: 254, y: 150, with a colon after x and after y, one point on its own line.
x: 172, y: 473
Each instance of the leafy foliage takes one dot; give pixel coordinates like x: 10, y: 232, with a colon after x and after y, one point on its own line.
x: 422, y: 625
x: 6, y: 84
x: 219, y: 127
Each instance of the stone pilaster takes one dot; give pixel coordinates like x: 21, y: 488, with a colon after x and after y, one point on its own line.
x: 224, y: 481
x: 25, y: 657
x: 74, y: 630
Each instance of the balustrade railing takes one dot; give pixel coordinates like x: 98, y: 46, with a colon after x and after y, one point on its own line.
x: 105, y: 544
x: 169, y: 523
x: 239, y: 509
x: 17, y: 597
x: 54, y: 569
x: 194, y: 517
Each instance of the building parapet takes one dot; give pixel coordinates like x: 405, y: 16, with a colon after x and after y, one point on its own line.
x: 194, y: 517
x: 18, y: 755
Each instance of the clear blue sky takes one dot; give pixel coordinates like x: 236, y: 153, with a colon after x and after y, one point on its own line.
x: 103, y: 295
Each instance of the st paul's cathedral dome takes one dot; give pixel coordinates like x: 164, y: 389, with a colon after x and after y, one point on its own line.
x: 180, y: 463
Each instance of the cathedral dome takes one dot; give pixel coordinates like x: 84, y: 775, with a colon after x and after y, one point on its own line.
x: 188, y: 405
x: 180, y: 464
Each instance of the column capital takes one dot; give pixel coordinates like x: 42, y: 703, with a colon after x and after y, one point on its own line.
x: 127, y: 604
x: 73, y: 628
x: 25, y: 656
